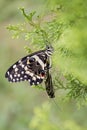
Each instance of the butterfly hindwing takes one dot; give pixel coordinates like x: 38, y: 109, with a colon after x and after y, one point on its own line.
x: 49, y: 85
x: 30, y: 68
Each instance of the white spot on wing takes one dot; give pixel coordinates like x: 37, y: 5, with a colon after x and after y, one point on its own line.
x: 15, y: 75
x: 19, y: 61
x: 21, y: 78
x: 38, y: 77
x: 25, y: 76
x: 18, y: 75
x: 26, y: 68
x: 16, y: 69
x: 17, y: 79
x: 28, y: 72
x: 22, y: 72
x: 37, y: 82
x: 34, y: 78
x: 22, y: 66
x: 13, y: 80
x: 8, y: 72
x: 14, y: 66
x: 11, y: 76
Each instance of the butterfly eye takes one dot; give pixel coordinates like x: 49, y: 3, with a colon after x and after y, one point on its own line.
x: 31, y: 59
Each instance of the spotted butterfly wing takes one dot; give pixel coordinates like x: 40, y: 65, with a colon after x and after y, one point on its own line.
x: 31, y: 68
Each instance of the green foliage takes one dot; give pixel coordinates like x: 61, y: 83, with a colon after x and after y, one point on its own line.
x: 28, y: 17
x: 77, y: 89
x: 44, y: 120
x: 65, y: 28
x: 36, y: 31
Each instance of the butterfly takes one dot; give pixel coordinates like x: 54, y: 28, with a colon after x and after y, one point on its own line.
x: 33, y: 68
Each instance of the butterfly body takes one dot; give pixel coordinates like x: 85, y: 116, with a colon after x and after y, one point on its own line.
x: 32, y: 68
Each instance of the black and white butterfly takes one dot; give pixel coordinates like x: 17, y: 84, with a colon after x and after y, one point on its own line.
x: 33, y: 68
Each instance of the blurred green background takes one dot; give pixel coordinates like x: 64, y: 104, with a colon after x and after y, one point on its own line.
x: 21, y: 106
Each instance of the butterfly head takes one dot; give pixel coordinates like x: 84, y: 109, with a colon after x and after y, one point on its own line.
x: 49, y: 50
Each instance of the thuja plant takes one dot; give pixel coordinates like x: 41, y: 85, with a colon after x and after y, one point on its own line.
x: 52, y: 29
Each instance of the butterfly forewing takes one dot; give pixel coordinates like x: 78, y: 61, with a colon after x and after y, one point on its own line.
x: 29, y: 68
